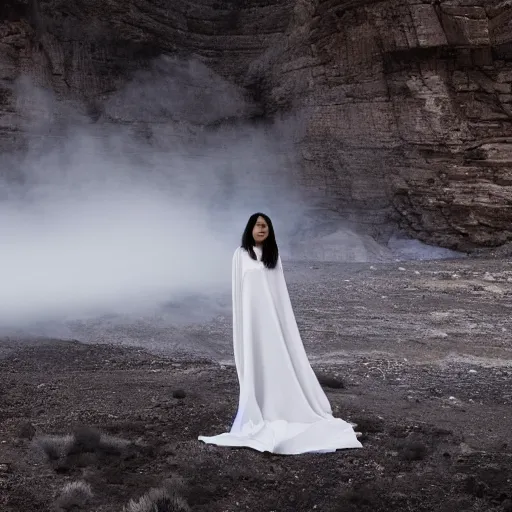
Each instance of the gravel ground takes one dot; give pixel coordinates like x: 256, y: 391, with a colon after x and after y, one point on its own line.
x: 417, y: 354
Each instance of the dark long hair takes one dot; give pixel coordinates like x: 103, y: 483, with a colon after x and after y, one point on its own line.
x: 270, y: 252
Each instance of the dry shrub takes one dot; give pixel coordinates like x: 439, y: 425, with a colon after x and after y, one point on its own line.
x: 83, y: 440
x: 164, y: 499
x: 54, y: 447
x: 74, y: 495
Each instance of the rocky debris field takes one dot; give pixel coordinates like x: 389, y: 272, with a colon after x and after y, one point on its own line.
x: 418, y: 355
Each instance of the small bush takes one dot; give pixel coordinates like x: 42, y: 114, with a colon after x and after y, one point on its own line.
x: 85, y: 440
x: 113, y: 445
x: 54, y: 447
x: 413, y: 450
x: 75, y: 495
x: 165, y: 499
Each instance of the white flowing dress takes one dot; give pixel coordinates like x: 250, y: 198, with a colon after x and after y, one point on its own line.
x: 282, y: 407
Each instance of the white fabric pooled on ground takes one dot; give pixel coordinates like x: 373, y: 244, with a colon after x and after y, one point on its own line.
x: 282, y: 407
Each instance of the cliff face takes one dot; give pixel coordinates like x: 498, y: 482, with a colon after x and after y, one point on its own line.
x: 407, y: 105
x: 410, y: 112
x: 85, y: 50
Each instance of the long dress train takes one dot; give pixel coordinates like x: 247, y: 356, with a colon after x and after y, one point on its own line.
x: 282, y: 407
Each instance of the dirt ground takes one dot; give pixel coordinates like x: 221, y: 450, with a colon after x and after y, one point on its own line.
x: 417, y: 354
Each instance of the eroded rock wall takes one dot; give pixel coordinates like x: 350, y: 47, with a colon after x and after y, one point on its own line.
x: 409, y: 112
x: 86, y: 50
x: 406, y: 105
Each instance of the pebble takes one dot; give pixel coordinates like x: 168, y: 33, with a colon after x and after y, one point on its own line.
x: 465, y: 449
x: 437, y: 334
x: 26, y: 431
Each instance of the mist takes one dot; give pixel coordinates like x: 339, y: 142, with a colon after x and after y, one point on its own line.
x: 143, y: 204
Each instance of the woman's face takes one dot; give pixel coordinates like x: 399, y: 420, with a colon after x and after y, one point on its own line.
x: 260, y: 231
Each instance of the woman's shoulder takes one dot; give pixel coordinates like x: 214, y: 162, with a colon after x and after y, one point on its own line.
x: 243, y: 256
x: 239, y: 250
x: 239, y: 253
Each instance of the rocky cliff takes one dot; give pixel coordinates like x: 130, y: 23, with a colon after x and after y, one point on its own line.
x: 407, y: 104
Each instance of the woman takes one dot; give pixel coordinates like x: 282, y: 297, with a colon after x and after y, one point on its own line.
x: 282, y: 407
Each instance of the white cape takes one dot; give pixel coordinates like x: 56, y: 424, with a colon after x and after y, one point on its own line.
x: 282, y: 407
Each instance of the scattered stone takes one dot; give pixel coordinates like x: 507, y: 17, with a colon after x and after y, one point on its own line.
x: 507, y: 505
x: 329, y: 381
x: 493, y: 288
x: 465, y: 449
x: 412, y: 450
x: 435, y: 333
x: 179, y: 394
x: 369, y: 425
x: 27, y: 431
x: 475, y: 487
